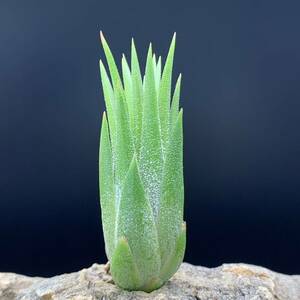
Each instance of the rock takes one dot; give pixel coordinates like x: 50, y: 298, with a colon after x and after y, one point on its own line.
x: 229, y: 281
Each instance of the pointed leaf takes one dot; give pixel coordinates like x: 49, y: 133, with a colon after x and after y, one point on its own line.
x: 154, y: 61
x: 109, y: 103
x: 128, y: 91
x: 123, y: 267
x: 176, y: 256
x: 137, y: 98
x: 171, y: 204
x: 175, y: 102
x: 164, y: 97
x: 136, y: 223
x: 124, y: 148
x: 151, y: 153
x: 106, y: 184
x: 126, y: 77
x: 158, y: 75
x: 116, y: 80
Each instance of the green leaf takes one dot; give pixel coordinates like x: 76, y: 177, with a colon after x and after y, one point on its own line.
x: 158, y: 74
x: 175, y: 103
x: 172, y: 191
x: 116, y: 80
x: 177, y: 254
x: 137, y: 97
x: 128, y: 91
x: 164, y: 96
x: 126, y: 78
x: 155, y: 71
x: 154, y: 61
x: 123, y: 267
x: 106, y: 184
x: 124, y: 148
x: 151, y: 161
x: 109, y: 102
x: 136, y: 223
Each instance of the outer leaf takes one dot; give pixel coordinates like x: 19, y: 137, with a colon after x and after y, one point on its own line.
x: 136, y: 223
x: 171, y: 205
x: 137, y: 97
x: 151, y: 152
x: 106, y: 184
x: 123, y: 267
x: 175, y: 102
x: 176, y: 258
x: 116, y: 80
x: 164, y: 97
x: 109, y: 102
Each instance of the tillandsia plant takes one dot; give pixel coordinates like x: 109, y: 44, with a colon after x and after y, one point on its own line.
x: 141, y: 171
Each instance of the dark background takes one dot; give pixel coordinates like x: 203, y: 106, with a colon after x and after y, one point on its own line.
x: 241, y: 89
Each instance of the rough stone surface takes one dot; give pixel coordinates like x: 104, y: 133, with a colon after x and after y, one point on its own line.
x: 229, y: 281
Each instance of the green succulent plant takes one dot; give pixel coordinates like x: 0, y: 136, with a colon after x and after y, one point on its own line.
x: 141, y: 171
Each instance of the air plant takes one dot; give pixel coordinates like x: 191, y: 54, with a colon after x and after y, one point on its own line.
x: 141, y: 171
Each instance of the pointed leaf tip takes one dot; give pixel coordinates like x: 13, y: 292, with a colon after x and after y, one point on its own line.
x: 101, y: 63
x: 173, y: 40
x: 164, y: 95
x: 102, y: 38
x: 132, y: 43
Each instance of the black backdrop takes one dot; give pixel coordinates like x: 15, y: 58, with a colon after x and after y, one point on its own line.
x: 241, y: 90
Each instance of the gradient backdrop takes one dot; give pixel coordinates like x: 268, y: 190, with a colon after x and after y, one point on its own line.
x: 241, y: 95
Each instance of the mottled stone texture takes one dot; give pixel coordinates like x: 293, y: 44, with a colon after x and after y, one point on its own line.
x: 230, y: 281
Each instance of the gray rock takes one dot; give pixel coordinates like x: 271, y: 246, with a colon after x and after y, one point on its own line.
x: 230, y: 281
